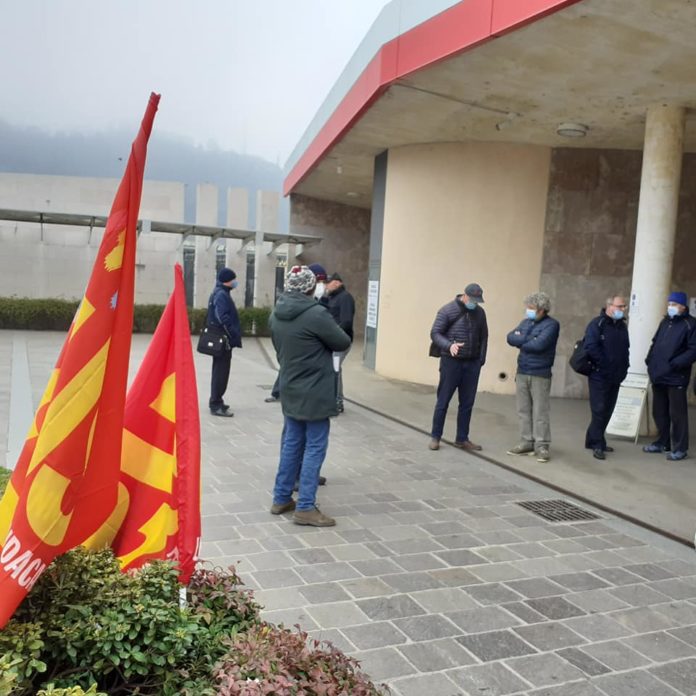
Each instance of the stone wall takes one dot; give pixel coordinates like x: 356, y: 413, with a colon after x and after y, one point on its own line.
x: 345, y: 233
x: 589, y: 241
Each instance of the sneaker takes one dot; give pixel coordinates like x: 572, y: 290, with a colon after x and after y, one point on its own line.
x: 271, y: 399
x: 313, y: 518
x: 221, y: 412
x: 341, y: 408
x: 655, y: 448
x: 522, y: 448
x: 281, y: 508
x: 434, y: 444
x: 676, y: 456
x: 542, y: 454
x: 468, y: 445
x: 598, y: 453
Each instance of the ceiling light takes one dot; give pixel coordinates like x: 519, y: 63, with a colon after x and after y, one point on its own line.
x: 572, y: 130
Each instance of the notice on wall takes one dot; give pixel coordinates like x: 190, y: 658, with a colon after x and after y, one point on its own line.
x: 630, y: 407
x: 372, y: 303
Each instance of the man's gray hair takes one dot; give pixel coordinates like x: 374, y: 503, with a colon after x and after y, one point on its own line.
x: 540, y: 300
x: 611, y: 298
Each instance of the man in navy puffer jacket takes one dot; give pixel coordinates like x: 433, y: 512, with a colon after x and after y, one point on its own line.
x: 669, y: 361
x: 460, y: 337
x: 606, y: 342
x: 536, y: 337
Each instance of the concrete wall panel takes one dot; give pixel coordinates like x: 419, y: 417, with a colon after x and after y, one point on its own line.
x: 457, y: 213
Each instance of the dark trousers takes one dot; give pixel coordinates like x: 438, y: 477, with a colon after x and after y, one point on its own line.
x: 456, y: 375
x: 671, y: 415
x: 603, y: 397
x: 219, y: 378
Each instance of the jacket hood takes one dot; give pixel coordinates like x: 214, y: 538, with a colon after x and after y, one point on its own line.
x: 291, y: 304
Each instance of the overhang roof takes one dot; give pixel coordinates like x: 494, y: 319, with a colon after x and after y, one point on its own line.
x: 501, y: 71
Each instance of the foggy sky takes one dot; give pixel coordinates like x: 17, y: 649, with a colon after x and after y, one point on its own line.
x: 246, y: 75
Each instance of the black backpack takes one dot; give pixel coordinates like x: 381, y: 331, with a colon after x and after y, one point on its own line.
x: 580, y: 360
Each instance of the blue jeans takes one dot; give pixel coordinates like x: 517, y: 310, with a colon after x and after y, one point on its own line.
x: 303, y: 449
x: 456, y: 375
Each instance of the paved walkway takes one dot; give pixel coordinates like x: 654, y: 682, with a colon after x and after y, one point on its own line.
x: 434, y: 577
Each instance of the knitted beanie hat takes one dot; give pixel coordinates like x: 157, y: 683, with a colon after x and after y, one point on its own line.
x: 226, y: 274
x: 300, y: 279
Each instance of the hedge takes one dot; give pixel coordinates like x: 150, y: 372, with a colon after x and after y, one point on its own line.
x: 57, y: 315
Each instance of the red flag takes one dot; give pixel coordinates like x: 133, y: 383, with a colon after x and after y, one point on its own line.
x: 158, y: 514
x: 65, y: 483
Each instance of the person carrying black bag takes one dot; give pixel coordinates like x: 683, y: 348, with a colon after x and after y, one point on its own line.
x: 607, y: 346
x: 222, y: 314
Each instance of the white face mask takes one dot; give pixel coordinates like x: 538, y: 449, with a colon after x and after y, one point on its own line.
x: 319, y: 291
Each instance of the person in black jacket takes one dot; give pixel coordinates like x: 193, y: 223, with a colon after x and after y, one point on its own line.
x: 223, y: 313
x: 669, y: 361
x: 342, y: 308
x: 460, y: 334
x: 536, y: 337
x: 606, y: 343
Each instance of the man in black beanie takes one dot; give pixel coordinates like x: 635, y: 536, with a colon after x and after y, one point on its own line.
x: 223, y: 313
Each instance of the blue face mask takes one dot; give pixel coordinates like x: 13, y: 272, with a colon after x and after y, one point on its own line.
x: 234, y: 284
x: 470, y: 305
x: 618, y: 314
x: 530, y: 313
x: 672, y: 311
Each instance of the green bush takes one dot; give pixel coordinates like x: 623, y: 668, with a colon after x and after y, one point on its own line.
x: 5, y: 475
x: 70, y: 691
x: 57, y: 315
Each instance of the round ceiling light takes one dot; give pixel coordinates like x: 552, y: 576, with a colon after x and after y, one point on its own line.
x: 572, y: 130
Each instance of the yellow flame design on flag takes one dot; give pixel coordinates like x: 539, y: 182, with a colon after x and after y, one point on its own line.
x: 114, y: 259
x: 156, y: 530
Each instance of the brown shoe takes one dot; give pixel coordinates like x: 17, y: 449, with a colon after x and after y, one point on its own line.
x: 468, y: 445
x: 313, y: 518
x: 434, y: 444
x: 281, y: 508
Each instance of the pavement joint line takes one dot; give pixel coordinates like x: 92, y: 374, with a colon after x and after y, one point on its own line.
x: 21, y: 408
x: 688, y: 542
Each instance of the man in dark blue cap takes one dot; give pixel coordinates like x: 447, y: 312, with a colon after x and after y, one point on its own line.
x: 669, y: 361
x: 460, y: 339
x: 223, y: 313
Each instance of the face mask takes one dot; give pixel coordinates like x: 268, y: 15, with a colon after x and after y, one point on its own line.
x: 234, y: 284
x: 470, y: 305
x: 530, y: 313
x: 672, y: 311
x: 618, y: 314
x: 319, y: 291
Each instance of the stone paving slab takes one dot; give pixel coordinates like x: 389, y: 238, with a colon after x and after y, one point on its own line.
x: 434, y: 577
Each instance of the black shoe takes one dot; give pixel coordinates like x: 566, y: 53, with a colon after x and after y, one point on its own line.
x: 341, y: 408
x: 225, y: 407
x: 608, y: 449
x: 322, y: 482
x: 598, y: 453
x: 221, y: 412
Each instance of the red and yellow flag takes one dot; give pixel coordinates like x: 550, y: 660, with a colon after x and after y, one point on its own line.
x: 65, y: 483
x: 158, y: 510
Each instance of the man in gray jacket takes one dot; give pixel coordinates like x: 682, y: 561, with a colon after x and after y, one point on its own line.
x: 304, y: 336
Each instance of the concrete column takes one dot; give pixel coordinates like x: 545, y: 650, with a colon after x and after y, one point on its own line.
x: 238, y: 218
x: 206, y: 214
x: 657, y: 222
x: 267, y: 203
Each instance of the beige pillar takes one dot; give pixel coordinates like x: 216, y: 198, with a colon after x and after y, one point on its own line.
x: 238, y: 218
x: 206, y: 214
x: 657, y: 222
x: 267, y: 203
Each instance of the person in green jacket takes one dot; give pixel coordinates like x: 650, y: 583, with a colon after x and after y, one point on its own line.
x: 304, y: 336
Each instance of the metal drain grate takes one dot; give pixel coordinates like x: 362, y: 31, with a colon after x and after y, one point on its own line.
x: 557, y: 510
